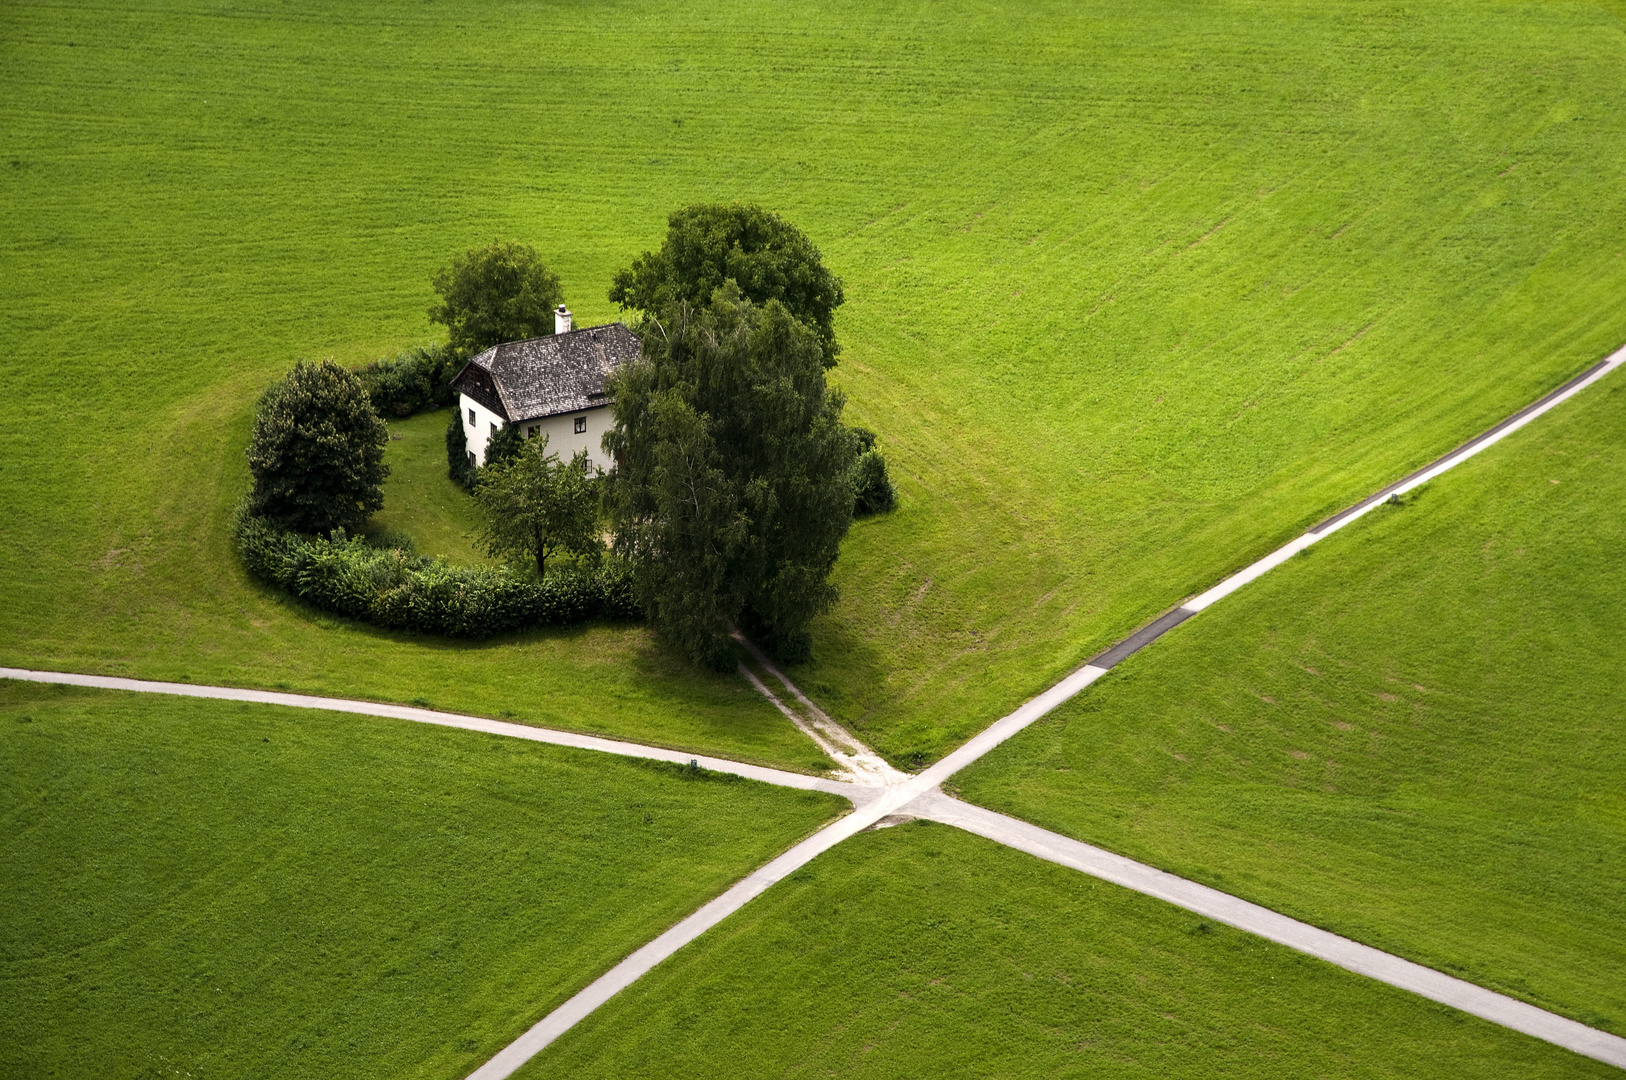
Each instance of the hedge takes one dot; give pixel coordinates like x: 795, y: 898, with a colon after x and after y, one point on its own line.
x: 418, y: 379
x: 395, y: 588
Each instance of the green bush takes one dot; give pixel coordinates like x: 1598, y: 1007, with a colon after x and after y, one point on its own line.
x: 412, y: 382
x: 458, y: 465
x: 503, y: 446
x: 872, y: 487
x: 401, y: 590
x: 317, y: 451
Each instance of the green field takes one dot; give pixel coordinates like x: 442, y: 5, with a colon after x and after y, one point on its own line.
x: 204, y: 889
x: 1134, y: 294
x: 1411, y: 734
x: 922, y: 951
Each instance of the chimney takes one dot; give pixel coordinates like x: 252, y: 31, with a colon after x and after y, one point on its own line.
x: 561, y: 320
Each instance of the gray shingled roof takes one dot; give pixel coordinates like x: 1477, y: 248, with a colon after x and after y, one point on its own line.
x: 546, y: 376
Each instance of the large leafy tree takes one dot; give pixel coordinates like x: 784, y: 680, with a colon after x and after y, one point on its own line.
x: 766, y: 256
x: 501, y: 292
x: 317, y: 451
x: 537, y: 506
x: 733, y: 487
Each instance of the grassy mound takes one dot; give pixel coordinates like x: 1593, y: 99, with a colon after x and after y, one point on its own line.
x: 1134, y: 295
x: 211, y: 889
x: 924, y: 951
x: 1410, y: 735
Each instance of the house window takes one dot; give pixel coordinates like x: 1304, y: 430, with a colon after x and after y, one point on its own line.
x: 581, y: 425
x: 530, y: 432
x: 472, y: 462
x: 587, y: 466
x: 472, y: 421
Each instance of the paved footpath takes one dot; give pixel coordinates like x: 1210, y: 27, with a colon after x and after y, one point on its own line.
x: 920, y: 796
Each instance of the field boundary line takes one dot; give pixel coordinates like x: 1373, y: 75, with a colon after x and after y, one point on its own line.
x: 553, y: 737
x: 1508, y: 1012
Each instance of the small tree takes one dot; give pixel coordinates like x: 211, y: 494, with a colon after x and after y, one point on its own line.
x: 501, y: 292
x: 317, y: 452
x: 762, y: 253
x: 535, y: 506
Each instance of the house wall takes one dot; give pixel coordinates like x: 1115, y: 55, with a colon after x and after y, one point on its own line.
x: 563, y: 440
x: 478, y: 432
x: 560, y: 430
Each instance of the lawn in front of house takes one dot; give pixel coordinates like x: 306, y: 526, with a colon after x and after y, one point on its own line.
x: 420, y: 500
x: 1413, y: 734
x: 923, y: 951
x: 229, y: 890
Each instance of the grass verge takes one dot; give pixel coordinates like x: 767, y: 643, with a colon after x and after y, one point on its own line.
x: 924, y: 951
x: 232, y: 890
x: 1410, y: 735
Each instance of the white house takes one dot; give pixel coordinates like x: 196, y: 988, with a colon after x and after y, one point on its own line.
x: 547, y: 385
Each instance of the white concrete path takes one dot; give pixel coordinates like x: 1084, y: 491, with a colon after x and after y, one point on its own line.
x: 572, y: 739
x: 1222, y: 907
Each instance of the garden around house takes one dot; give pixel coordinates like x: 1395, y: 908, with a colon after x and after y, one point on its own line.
x: 1131, y: 299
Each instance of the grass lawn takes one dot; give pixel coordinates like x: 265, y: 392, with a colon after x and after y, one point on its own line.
x: 1136, y: 292
x: 922, y: 951
x: 420, y: 500
x: 209, y: 889
x: 1411, y: 735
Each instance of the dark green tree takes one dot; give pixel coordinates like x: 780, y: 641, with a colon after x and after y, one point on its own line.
x: 504, y: 445
x: 765, y: 255
x: 872, y: 487
x: 458, y: 465
x: 536, y: 506
x: 733, y: 487
x: 501, y: 292
x: 317, y: 451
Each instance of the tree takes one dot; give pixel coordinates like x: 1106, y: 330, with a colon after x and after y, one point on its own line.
x: 317, y: 451
x: 501, y: 292
x: 766, y: 256
x: 458, y: 465
x: 535, y: 506
x: 733, y: 490
x: 504, y: 445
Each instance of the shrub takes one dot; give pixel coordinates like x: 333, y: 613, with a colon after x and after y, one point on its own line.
x: 458, y: 465
x: 411, y: 382
x: 399, y: 589
x: 317, y: 452
x: 503, y: 446
x: 873, y: 491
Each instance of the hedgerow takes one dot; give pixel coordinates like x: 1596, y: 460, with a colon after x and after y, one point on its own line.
x: 399, y: 589
x: 418, y: 379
